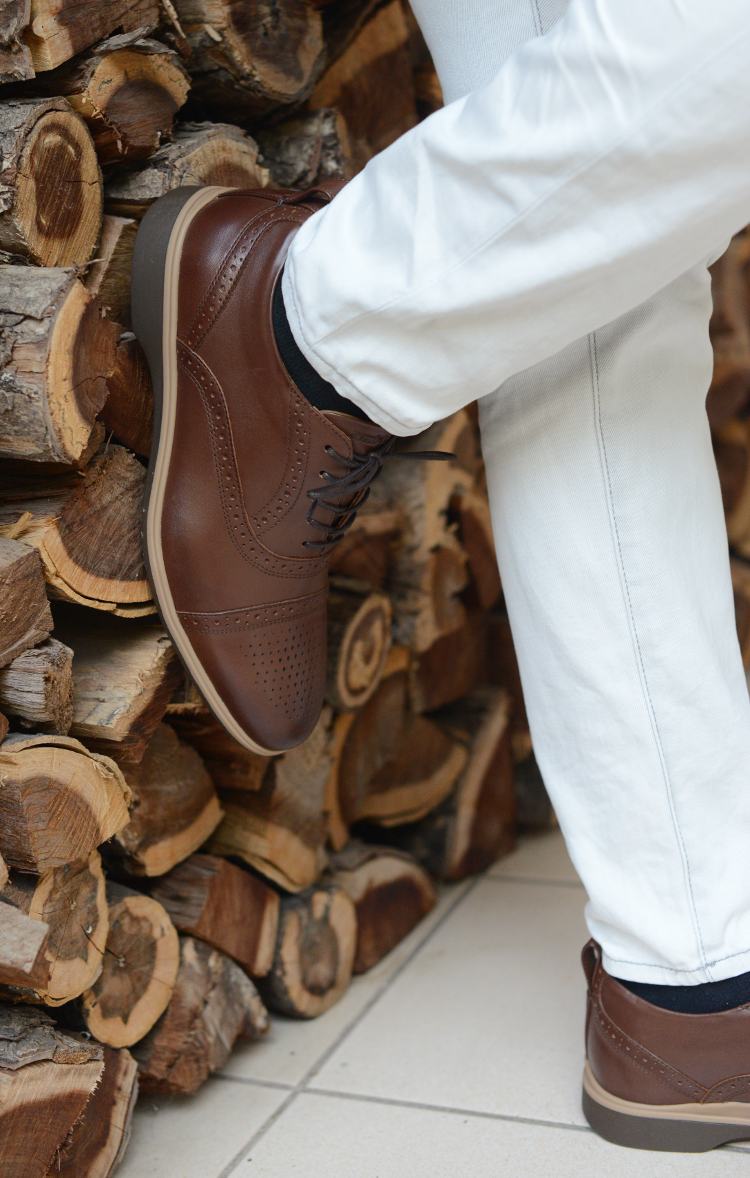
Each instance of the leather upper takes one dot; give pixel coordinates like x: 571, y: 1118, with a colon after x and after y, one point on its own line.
x: 247, y: 449
x: 642, y: 1053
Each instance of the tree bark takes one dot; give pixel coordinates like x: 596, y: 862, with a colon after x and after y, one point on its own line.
x: 70, y: 902
x: 175, y: 807
x: 15, y: 56
x: 200, y: 153
x: 23, y: 945
x: 55, y: 354
x: 225, y: 906
x: 58, y: 801
x: 25, y: 615
x: 37, y: 687
x: 308, y: 150
x: 214, y: 1003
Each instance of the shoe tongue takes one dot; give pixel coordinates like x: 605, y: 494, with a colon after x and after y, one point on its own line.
x: 363, y: 435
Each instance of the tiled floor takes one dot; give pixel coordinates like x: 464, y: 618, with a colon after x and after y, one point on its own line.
x: 458, y: 1057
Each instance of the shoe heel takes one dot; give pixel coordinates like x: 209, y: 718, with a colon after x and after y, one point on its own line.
x: 661, y: 1132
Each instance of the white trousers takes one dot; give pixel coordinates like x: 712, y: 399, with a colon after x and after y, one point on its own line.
x: 540, y: 244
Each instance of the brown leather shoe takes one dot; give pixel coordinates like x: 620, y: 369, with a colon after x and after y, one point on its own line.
x: 249, y: 485
x: 659, y: 1080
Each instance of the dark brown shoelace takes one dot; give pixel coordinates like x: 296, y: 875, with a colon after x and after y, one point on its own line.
x: 354, y: 486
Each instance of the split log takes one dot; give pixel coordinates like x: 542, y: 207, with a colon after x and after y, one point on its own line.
x: 87, y: 533
x: 476, y: 824
x: 70, y: 902
x: 470, y: 512
x: 55, y: 352
x: 61, y: 28
x: 129, y: 409
x: 175, y: 807
x: 426, y: 592
x: 224, y: 905
x: 123, y: 676
x: 51, y: 208
x: 245, y: 61
x: 230, y: 764
x: 280, y: 830
x: 359, y: 638
x: 200, y: 153
x: 58, y: 801
x: 533, y: 805
x: 391, y: 893
x: 25, y: 615
x: 314, y: 954
x: 4, y: 727
x: 372, y: 84
x: 366, y: 552
x: 23, y: 944
x: 308, y: 150
x: 99, y: 1139
x: 37, y: 687
x: 15, y: 56
x: 342, y: 20
x: 108, y: 274
x: 48, y: 1077
x: 3, y: 864
x: 128, y: 90
x: 139, y: 970
x: 730, y: 332
x: 452, y: 667
x: 214, y: 1003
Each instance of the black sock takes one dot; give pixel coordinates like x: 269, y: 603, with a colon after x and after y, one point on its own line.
x: 310, y: 383
x: 707, y: 998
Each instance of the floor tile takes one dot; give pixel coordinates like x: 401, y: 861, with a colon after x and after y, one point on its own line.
x: 538, y: 857
x: 488, y: 1016
x: 330, y: 1137
x: 198, y: 1136
x: 293, y: 1047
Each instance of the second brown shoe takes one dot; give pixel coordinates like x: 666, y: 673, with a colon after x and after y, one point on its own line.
x: 250, y: 486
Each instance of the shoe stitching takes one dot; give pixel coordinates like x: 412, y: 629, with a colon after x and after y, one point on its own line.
x: 193, y: 333
x: 253, y: 617
x: 286, y: 494
x: 228, y: 480
x: 736, y: 1088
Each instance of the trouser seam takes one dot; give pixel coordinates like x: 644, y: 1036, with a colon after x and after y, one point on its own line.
x: 537, y: 17
x: 635, y: 637
x: 676, y: 968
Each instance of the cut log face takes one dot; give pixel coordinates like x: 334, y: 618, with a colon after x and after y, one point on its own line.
x: 280, y: 830
x: 224, y: 905
x: 451, y: 667
x: 470, y: 510
x: 25, y: 615
x: 37, y: 687
x: 200, y: 153
x: 48, y: 1077
x: 732, y: 449
x: 730, y: 332
x: 372, y: 84
x: 98, y: 1141
x: 308, y: 150
x: 175, y: 807
x: 214, y: 1003
x: 366, y: 551
x: 359, y: 639
x: 230, y: 764
x: 244, y: 62
x: 138, y: 974
x: 314, y: 954
x: 69, y: 901
x: 128, y: 90
x: 477, y: 823
x: 62, y: 28
x: 123, y: 676
x: 88, y: 535
x: 23, y: 944
x: 52, y: 189
x: 58, y: 801
x: 55, y: 352
x: 391, y: 893
x: 741, y: 586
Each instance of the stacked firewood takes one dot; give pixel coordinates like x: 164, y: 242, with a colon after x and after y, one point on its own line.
x: 162, y: 889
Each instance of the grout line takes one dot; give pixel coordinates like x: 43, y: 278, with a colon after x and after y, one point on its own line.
x: 301, y: 1086
x: 451, y: 1110
x: 255, y: 1082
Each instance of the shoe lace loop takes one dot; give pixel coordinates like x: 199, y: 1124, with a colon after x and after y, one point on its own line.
x: 354, y: 487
